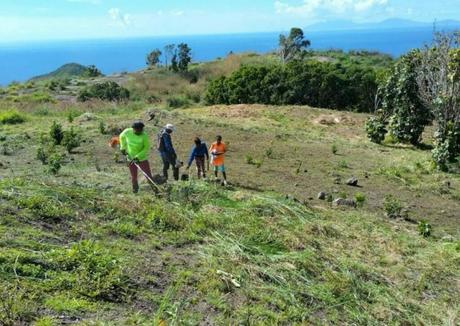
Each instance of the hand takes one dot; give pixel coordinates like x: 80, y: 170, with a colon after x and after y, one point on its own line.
x: 135, y: 160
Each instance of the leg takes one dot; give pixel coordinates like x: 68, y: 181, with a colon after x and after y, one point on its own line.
x: 145, y: 166
x: 165, y: 166
x: 172, y: 158
x: 133, y: 171
x: 199, y: 166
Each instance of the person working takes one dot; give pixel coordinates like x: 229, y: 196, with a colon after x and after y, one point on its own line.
x: 167, y: 151
x: 134, y: 143
x: 218, y: 150
x: 201, y: 155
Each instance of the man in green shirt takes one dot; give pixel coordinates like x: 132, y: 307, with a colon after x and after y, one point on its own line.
x: 134, y: 143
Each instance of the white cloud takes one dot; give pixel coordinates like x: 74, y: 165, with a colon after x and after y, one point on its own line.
x: 119, y: 17
x: 315, y: 8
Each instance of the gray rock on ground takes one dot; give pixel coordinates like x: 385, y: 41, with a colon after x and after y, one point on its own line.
x: 322, y: 195
x: 344, y: 202
x: 353, y: 182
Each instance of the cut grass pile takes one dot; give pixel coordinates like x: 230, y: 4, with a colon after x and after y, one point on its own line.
x: 202, y: 253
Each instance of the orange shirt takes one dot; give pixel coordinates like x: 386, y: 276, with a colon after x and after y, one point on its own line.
x: 217, y: 153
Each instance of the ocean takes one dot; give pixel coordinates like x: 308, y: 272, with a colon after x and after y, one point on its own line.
x: 22, y: 61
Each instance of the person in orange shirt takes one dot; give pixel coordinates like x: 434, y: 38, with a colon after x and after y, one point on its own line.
x: 217, y: 151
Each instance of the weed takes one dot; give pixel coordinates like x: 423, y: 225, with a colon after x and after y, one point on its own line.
x: 269, y: 152
x: 392, y: 206
x: 360, y: 198
x: 11, y: 117
x: 42, y: 156
x: 343, y: 164
x: 102, y: 128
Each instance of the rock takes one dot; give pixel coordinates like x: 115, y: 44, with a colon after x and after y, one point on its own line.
x: 322, y: 195
x: 337, y: 180
x: 352, y: 182
x: 344, y: 202
x: 448, y: 238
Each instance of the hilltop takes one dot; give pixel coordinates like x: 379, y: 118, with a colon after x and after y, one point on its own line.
x: 70, y: 70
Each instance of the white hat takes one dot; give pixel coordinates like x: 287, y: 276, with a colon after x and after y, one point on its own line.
x: 170, y: 127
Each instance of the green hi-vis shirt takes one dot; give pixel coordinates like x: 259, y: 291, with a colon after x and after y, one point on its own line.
x: 137, y: 146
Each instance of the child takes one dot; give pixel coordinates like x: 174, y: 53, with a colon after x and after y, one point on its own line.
x: 218, y: 150
x: 201, y: 155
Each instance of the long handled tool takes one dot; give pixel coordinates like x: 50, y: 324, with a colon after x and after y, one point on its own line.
x: 152, y: 183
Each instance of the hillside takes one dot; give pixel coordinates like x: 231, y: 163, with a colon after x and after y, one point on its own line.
x: 78, y: 247
x: 70, y: 70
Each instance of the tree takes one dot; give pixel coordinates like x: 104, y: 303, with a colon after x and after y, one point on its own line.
x: 92, y: 71
x: 153, y: 58
x: 168, y: 53
x: 184, y: 57
x: 438, y: 78
x: 293, y: 45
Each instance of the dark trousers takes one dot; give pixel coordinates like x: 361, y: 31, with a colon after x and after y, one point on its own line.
x: 145, y: 166
x: 169, y: 160
x: 200, y: 166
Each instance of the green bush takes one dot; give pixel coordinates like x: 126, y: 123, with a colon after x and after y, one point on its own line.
x: 11, y: 117
x: 106, y: 91
x: 376, y: 130
x: 392, y: 206
x: 71, y: 140
x: 42, y: 156
x: 175, y: 102
x: 54, y: 164
x: 318, y: 84
x: 56, y: 133
x: 360, y: 198
x: 424, y: 228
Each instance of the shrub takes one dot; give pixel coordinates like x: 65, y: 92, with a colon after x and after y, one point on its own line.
x: 102, y: 128
x: 424, y: 228
x: 55, y: 164
x: 42, y: 156
x: 334, y: 149
x: 71, y: 140
x: 175, y: 102
x: 376, y: 130
x: 56, y: 133
x: 106, y: 91
x: 11, y: 117
x: 392, y: 206
x: 360, y: 198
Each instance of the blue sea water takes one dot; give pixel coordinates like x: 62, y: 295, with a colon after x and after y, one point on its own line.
x: 21, y: 61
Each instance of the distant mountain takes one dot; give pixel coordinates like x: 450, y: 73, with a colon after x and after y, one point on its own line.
x: 394, y: 23
x: 70, y: 70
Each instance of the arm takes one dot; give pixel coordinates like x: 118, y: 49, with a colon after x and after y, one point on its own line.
x: 123, y: 142
x: 146, y: 147
x: 191, y: 158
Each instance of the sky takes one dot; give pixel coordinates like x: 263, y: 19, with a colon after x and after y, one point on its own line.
x: 22, y: 20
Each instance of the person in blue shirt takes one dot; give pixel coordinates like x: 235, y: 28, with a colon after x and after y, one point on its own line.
x: 200, y: 154
x: 167, y: 152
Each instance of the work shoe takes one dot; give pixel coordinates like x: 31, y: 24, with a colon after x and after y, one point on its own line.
x: 135, y: 190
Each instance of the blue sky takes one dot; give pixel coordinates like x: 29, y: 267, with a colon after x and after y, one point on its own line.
x: 72, y: 19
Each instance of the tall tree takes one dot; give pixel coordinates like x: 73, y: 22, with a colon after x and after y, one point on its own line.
x: 153, y: 58
x: 293, y: 45
x: 184, y: 57
x: 169, y: 51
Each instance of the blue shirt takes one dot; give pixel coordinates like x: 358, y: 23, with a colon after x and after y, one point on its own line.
x: 165, y: 143
x: 198, y: 151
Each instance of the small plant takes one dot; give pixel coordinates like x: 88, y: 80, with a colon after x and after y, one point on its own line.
x: 102, y: 128
x: 343, y: 164
x: 71, y: 115
x: 334, y: 149
x: 360, y: 198
x: 330, y: 198
x: 56, y: 133
x: 71, y: 140
x: 343, y: 195
x: 11, y: 117
x: 392, y: 206
x: 424, y: 228
x: 249, y: 159
x: 55, y: 164
x: 269, y: 152
x: 42, y: 156
x: 116, y: 157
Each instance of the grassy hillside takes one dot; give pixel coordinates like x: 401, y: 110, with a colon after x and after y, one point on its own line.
x: 70, y: 70
x: 78, y: 247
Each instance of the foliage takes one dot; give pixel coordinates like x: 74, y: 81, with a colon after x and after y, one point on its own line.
x: 408, y: 115
x: 175, y: 102
x: 42, y: 155
x: 360, y: 198
x: 56, y: 133
x: 425, y: 228
x: 102, y: 128
x: 92, y: 71
x: 184, y: 57
x: 54, y: 163
x: 11, y: 117
x: 392, y: 206
x: 297, y: 83
x: 376, y: 129
x: 105, y: 91
x: 334, y: 149
x: 71, y: 140
x: 153, y: 58
x: 292, y: 46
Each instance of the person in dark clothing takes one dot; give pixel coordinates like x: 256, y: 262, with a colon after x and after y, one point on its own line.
x: 167, y: 152
x: 200, y: 154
